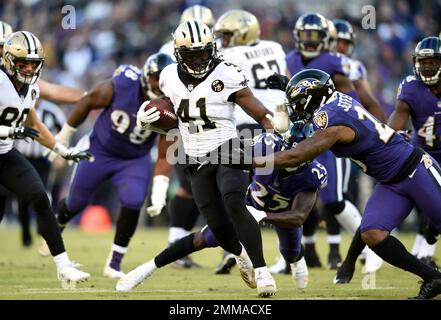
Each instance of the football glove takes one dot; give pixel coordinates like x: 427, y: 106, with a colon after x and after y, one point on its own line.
x: 71, y: 153
x: 281, y: 119
x: 277, y: 81
x: 23, y: 133
x: 258, y: 215
x: 146, y: 117
x: 63, y: 137
x: 159, y: 195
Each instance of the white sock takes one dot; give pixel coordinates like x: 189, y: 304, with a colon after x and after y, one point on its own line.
x: 309, y: 239
x: 176, y: 233
x: 417, y: 244
x: 261, y: 270
x: 350, y: 217
x: 119, y: 249
x: 61, y: 260
x: 334, y: 239
x: 426, y: 250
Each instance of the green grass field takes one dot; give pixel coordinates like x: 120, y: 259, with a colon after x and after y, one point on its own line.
x: 26, y: 275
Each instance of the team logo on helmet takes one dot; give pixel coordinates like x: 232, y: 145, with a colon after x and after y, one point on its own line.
x: 217, y: 86
x: 321, y: 119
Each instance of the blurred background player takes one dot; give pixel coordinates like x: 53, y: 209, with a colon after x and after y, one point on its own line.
x: 120, y: 149
x: 22, y: 63
x: 283, y: 198
x: 312, y: 36
x: 204, y: 91
x: 182, y: 209
x: 239, y: 33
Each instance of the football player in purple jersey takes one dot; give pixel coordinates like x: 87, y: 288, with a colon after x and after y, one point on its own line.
x: 283, y: 198
x: 407, y: 176
x: 121, y: 151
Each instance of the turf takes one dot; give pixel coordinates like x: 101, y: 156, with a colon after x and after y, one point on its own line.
x: 26, y: 275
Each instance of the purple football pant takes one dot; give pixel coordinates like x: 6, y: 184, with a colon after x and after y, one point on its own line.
x: 130, y: 176
x: 290, y: 242
x: 339, y: 172
x: 390, y: 204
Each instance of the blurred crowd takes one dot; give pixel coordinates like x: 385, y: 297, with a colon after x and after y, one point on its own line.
x: 85, y: 40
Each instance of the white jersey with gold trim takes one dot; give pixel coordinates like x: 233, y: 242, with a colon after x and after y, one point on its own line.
x: 14, y: 107
x: 206, y: 117
x: 258, y: 61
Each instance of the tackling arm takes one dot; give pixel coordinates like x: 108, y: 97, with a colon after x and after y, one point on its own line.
x: 301, y: 207
x: 368, y: 100
x: 400, y: 116
x: 308, y: 149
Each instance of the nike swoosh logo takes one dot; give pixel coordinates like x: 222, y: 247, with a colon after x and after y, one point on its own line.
x: 411, y: 175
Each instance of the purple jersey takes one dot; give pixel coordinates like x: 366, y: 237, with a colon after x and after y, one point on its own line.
x: 275, y: 192
x: 115, y: 127
x: 425, y: 112
x: 377, y: 149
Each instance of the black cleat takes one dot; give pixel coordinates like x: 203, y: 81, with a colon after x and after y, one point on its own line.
x: 228, y: 262
x: 186, y: 263
x: 344, y: 275
x: 26, y: 239
x: 428, y: 289
x: 430, y: 261
x: 312, y: 259
x: 334, y: 260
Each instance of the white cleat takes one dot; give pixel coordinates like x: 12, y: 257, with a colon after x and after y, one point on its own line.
x: 43, y: 249
x: 299, y: 272
x: 373, y: 262
x: 266, y: 285
x: 111, y: 273
x: 279, y: 266
x: 134, y: 278
x: 71, y: 275
x: 246, y: 270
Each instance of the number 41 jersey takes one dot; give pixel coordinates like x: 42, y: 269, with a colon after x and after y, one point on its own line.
x: 206, y: 117
x: 14, y: 107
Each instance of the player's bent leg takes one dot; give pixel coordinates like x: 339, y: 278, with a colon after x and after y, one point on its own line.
x: 309, y: 229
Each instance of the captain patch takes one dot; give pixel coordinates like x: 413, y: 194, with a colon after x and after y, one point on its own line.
x: 321, y: 119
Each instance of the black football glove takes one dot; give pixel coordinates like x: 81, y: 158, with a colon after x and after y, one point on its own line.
x: 277, y: 81
x: 76, y: 155
x: 23, y: 133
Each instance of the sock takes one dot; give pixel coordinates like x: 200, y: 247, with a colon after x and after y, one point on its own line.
x: 393, y: 251
x: 334, y: 248
x: 417, y: 244
x: 333, y: 239
x: 356, y: 247
x: 177, y: 250
x: 426, y: 250
x: 117, y: 254
x: 64, y: 215
x: 308, y: 240
x: 126, y: 226
x: 176, y: 233
x: 350, y: 217
x: 61, y: 260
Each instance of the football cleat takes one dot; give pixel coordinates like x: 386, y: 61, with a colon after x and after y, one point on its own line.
x: 186, y: 263
x: 228, y: 262
x: 109, y: 272
x: 344, y: 275
x: 43, y: 249
x: 246, y: 270
x: 134, y: 278
x: 266, y: 285
x: 428, y: 289
x: 299, y: 272
x: 280, y: 267
x: 70, y: 275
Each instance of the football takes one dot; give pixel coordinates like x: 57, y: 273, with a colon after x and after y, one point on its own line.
x: 168, y: 118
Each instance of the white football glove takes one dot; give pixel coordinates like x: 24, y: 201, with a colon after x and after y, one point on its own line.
x: 62, y: 137
x: 281, y: 119
x: 71, y: 153
x: 145, y: 118
x: 258, y: 215
x: 159, y: 195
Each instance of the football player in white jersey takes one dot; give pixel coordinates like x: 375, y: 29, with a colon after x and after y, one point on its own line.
x: 23, y: 59
x: 182, y: 209
x: 48, y: 91
x: 205, y: 90
x: 239, y: 31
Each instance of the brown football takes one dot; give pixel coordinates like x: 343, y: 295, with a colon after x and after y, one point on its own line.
x: 168, y: 118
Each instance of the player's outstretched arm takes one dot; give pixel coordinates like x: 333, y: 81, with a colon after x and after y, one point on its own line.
x: 368, y: 100
x: 301, y: 207
x: 308, y: 149
x: 253, y: 107
x: 58, y: 93
x: 399, y: 118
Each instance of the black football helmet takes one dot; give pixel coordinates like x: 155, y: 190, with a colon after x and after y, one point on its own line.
x: 307, y: 91
x: 427, y: 60
x: 152, y: 68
